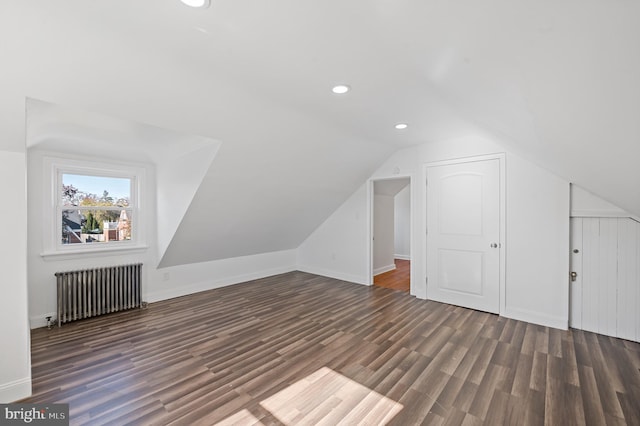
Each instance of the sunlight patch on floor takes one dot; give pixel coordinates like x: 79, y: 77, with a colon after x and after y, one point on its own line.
x: 327, y: 397
x: 322, y: 398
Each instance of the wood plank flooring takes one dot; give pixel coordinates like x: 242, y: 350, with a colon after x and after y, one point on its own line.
x: 302, y: 349
x: 398, y: 279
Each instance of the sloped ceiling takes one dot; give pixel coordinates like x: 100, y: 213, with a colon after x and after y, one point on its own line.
x: 556, y: 81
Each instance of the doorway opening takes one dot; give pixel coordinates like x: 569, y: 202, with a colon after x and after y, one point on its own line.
x: 391, y: 233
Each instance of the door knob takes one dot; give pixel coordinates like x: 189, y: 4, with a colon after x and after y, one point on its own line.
x: 494, y: 245
x: 574, y: 276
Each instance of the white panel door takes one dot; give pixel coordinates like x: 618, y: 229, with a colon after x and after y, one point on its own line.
x: 463, y: 234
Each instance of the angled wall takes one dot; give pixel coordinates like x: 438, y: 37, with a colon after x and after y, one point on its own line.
x: 338, y: 247
x: 586, y: 204
x: 178, y: 178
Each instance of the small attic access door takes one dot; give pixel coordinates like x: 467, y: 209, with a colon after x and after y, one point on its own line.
x: 605, y: 276
x: 464, y: 229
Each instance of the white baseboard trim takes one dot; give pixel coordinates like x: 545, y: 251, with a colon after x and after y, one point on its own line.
x: 198, y: 287
x: 536, y: 318
x: 39, y: 321
x: 333, y: 274
x: 15, y: 391
x: 402, y: 256
x: 384, y: 269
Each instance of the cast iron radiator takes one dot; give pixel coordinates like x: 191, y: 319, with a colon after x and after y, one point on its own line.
x: 92, y: 292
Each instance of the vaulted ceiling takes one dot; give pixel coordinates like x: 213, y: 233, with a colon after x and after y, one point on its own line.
x: 555, y: 81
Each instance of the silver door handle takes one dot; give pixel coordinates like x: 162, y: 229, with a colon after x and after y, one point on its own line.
x: 494, y: 245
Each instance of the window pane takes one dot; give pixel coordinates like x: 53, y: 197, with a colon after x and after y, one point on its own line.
x: 96, y: 226
x: 82, y: 190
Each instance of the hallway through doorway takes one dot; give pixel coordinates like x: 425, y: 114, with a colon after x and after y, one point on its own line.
x: 397, y: 279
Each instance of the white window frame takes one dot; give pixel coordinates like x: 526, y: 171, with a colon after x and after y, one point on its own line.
x: 54, y: 169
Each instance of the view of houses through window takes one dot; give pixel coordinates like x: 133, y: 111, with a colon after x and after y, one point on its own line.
x: 95, y: 209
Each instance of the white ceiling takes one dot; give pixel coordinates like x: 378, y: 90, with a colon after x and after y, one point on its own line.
x: 555, y: 81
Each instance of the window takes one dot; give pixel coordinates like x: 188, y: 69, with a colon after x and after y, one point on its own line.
x: 94, y: 207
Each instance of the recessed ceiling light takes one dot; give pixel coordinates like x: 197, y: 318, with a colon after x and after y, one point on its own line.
x: 401, y: 126
x: 197, y: 3
x: 340, y: 89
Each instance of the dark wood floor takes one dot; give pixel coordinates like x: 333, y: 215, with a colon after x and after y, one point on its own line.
x: 302, y: 349
x: 398, y: 279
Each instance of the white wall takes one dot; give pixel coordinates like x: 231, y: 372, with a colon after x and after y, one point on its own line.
x: 537, y: 282
x: 402, y: 228
x: 537, y: 240
x: 15, y: 360
x: 383, y: 233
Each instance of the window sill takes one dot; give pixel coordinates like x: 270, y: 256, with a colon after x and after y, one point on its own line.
x: 92, y: 252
